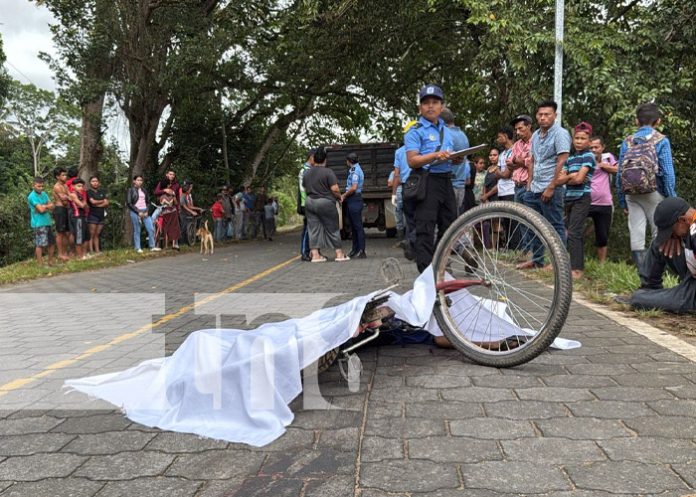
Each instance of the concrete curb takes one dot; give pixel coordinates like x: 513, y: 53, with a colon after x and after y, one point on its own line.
x: 662, y: 338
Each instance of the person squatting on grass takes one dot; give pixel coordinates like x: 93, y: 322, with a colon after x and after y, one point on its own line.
x: 673, y: 248
x: 40, y: 207
x: 576, y: 175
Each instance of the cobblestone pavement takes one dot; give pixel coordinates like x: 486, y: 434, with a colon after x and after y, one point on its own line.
x: 616, y: 417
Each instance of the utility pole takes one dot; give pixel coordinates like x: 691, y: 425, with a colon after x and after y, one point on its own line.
x: 558, y: 63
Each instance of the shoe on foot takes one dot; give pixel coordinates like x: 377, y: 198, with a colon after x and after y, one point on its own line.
x: 353, y: 253
x: 155, y: 249
x: 623, y: 299
x: 140, y: 251
x: 361, y: 255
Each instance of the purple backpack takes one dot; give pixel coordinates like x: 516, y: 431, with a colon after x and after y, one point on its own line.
x: 639, y: 166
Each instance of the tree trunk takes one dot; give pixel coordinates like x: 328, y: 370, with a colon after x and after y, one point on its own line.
x: 225, y: 157
x: 91, y: 148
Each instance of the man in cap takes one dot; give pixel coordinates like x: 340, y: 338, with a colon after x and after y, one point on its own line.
x: 426, y: 142
x: 354, y: 203
x: 672, y: 248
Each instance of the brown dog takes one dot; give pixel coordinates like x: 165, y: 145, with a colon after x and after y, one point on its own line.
x: 206, y: 237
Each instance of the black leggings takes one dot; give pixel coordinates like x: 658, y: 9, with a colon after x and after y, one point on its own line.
x: 601, y: 217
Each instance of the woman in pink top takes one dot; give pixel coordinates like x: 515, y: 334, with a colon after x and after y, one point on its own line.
x: 602, y: 206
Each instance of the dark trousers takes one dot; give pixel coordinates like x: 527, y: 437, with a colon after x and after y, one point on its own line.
x: 576, y: 211
x: 553, y: 212
x: 439, y: 208
x: 354, y: 205
x: 678, y: 299
x: 304, y: 241
x: 410, y: 215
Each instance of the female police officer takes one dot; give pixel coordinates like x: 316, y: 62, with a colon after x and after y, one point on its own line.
x: 428, y: 141
x: 354, y: 203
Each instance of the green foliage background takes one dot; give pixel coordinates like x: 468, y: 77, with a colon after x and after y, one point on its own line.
x: 248, y: 86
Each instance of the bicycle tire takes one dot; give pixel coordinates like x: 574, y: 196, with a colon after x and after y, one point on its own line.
x: 528, y: 347
x: 191, y: 233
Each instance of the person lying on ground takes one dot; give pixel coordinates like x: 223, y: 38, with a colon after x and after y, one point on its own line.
x: 673, y: 249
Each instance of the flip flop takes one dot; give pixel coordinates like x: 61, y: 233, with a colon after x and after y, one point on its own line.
x: 342, y: 259
x: 320, y: 259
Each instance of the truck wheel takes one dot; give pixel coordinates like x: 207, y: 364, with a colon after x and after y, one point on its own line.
x: 391, y: 232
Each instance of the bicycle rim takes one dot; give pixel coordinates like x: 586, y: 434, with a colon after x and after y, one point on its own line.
x: 514, y: 315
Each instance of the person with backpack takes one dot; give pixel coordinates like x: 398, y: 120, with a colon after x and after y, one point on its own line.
x: 645, y: 176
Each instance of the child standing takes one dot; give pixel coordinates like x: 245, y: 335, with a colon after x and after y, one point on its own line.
x: 218, y: 212
x: 78, y: 216
x: 40, y: 208
x: 577, y: 176
x: 269, y: 212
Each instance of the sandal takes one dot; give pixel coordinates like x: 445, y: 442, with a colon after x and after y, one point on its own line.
x: 319, y: 259
x: 342, y: 259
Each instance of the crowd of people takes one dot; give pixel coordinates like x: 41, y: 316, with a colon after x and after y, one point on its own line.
x: 567, y: 179
x: 78, y: 212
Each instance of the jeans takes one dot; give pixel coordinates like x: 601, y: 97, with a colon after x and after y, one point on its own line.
x: 135, y: 220
x: 355, y: 208
x: 219, y: 231
x: 229, y: 228
x: 553, y: 212
x: 399, y: 210
x: 257, y: 222
x: 304, y: 241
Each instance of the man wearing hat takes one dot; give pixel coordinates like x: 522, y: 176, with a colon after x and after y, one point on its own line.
x: 354, y: 203
x: 672, y: 248
x: 426, y: 142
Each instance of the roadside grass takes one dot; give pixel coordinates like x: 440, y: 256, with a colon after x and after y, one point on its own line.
x: 29, y: 270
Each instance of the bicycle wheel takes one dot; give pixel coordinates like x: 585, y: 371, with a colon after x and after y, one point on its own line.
x: 492, y: 312
x: 191, y: 232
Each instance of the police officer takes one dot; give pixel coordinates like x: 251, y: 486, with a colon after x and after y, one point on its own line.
x: 354, y: 203
x: 426, y: 142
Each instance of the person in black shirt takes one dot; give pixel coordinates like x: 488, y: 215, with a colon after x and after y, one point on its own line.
x: 97, y: 201
x: 321, y: 186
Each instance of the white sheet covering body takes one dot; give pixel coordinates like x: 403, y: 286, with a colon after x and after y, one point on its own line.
x: 236, y: 385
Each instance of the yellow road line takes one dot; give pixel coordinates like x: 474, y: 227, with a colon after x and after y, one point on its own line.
x: 51, y: 368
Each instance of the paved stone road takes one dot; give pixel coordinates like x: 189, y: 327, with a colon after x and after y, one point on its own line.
x: 616, y: 417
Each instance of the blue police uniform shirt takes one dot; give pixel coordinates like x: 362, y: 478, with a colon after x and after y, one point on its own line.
x: 355, y: 176
x: 425, y: 139
x: 401, y: 162
x: 460, y: 171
